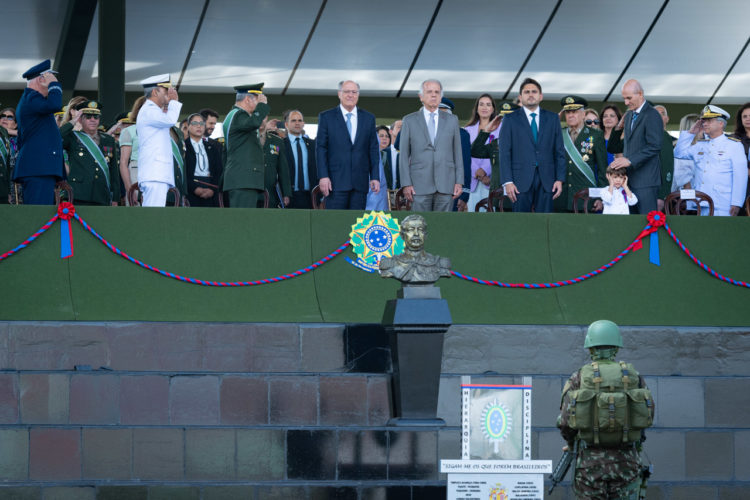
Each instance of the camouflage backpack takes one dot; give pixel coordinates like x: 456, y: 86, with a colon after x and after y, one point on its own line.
x: 610, y: 409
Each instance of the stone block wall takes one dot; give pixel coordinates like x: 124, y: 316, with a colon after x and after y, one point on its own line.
x: 266, y: 411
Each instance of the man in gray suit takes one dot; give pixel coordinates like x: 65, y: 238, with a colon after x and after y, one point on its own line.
x: 430, y: 164
x: 643, y: 140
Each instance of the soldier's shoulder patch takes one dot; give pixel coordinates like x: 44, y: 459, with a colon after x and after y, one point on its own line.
x: 732, y: 138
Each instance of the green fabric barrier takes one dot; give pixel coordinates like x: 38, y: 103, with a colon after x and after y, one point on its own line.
x: 245, y: 245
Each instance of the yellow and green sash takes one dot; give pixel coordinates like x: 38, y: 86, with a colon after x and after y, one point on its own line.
x: 96, y: 153
x: 228, y: 123
x: 575, y: 155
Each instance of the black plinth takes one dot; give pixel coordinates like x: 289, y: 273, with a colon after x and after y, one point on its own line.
x: 416, y: 323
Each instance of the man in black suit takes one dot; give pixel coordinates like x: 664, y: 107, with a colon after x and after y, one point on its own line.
x: 643, y: 141
x: 202, y: 164
x: 532, y: 155
x: 300, y: 155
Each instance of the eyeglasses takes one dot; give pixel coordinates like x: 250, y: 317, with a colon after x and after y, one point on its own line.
x: 198, y: 123
x: 88, y: 116
x: 592, y: 122
x: 8, y: 117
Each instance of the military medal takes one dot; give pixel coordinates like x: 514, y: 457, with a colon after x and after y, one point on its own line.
x: 585, y: 157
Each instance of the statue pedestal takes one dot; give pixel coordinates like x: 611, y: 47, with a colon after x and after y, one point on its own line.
x: 416, y: 323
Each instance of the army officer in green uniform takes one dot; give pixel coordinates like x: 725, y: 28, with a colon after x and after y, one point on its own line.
x: 93, y: 157
x: 276, y: 166
x: 178, y: 162
x: 5, y: 173
x: 586, y: 153
x: 244, y: 176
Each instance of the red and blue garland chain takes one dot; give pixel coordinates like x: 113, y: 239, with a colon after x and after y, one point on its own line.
x: 66, y: 211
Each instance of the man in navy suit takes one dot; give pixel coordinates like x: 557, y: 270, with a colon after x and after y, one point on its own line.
x: 346, y: 150
x: 40, y: 155
x: 532, y: 155
x: 643, y: 140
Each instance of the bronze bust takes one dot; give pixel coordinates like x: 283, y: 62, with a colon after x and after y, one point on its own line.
x: 415, y: 266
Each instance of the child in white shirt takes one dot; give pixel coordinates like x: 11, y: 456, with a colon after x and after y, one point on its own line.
x: 618, y: 196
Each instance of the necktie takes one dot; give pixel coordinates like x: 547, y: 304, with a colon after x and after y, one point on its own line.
x: 625, y: 195
x: 300, y: 171
x: 432, y: 129
x: 534, y: 129
x: 349, y: 125
x: 632, y: 121
x: 573, y: 135
x: 202, y: 163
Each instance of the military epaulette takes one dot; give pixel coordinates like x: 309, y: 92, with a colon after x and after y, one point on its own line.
x: 220, y: 140
x: 732, y: 138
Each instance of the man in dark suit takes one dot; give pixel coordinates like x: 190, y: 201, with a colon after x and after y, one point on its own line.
x: 532, y: 155
x: 39, y: 164
x: 300, y: 155
x: 203, y: 166
x: 643, y: 141
x: 347, y: 152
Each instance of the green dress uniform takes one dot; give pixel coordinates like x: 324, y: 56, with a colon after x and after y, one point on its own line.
x: 5, y: 173
x: 93, y: 183
x: 492, y: 151
x: 180, y: 181
x: 276, y: 170
x: 244, y: 168
x: 592, y: 149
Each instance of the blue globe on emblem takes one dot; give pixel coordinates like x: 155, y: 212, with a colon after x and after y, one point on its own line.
x: 378, y: 238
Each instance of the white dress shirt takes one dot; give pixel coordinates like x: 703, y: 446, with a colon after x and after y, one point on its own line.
x: 353, y: 119
x: 154, y: 143
x: 201, y: 159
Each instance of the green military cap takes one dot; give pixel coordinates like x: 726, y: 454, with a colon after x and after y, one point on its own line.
x: 507, y: 107
x: 712, y: 111
x: 90, y: 108
x: 573, y: 102
x: 255, y: 88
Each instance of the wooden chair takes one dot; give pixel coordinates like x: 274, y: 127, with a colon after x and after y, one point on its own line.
x: 135, y: 197
x: 318, y: 200
x: 676, y: 205
x: 60, y: 187
x: 493, y: 203
x: 582, y: 196
x: 401, y: 202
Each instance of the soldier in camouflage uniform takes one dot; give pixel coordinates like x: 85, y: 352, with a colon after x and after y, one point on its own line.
x: 602, y: 472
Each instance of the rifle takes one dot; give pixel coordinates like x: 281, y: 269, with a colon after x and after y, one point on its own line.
x: 645, y: 474
x: 562, y: 466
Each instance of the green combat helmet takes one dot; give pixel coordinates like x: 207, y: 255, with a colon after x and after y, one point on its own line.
x: 603, y: 332
x: 603, y: 340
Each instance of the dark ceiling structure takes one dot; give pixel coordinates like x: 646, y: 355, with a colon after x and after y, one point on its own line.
x: 680, y: 50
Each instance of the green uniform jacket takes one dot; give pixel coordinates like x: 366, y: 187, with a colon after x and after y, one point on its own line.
x: 667, y: 165
x: 86, y: 178
x: 492, y: 151
x: 244, y: 165
x: 590, y: 143
x: 180, y: 182
x: 277, y: 169
x: 4, y: 168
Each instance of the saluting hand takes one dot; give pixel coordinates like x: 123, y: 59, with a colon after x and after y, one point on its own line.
x: 696, y: 128
x: 494, y: 124
x: 262, y: 98
x: 172, y: 94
